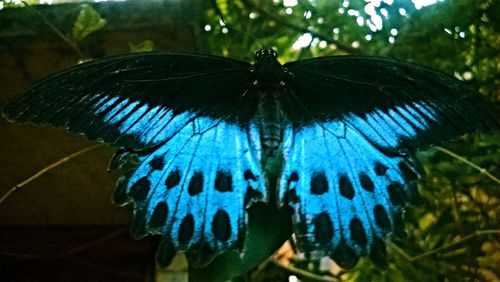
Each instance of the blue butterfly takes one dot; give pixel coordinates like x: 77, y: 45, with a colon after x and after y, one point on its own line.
x: 201, y: 137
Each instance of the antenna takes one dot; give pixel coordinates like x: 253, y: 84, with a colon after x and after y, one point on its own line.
x: 221, y: 16
x: 289, y: 27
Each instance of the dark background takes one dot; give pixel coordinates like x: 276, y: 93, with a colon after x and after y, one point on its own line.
x: 62, y: 226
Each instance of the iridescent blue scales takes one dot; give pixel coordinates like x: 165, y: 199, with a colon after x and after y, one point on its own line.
x: 347, y: 194
x: 197, y: 134
x: 196, y: 186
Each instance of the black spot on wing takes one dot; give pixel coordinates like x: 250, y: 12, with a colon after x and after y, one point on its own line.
x: 381, y: 217
x: 323, y: 228
x: 319, y: 183
x: 358, y: 233
x: 157, y: 163
x: 344, y: 256
x: 345, y: 187
x: 398, y: 227
x: 409, y: 174
x: 380, y: 168
x: 120, y: 193
x: 173, y: 179
x: 291, y: 196
x: 366, y: 182
x: 396, y: 193
x: 221, y: 226
x: 294, y: 177
x: 159, y: 216
x: 412, y: 194
x: 186, y: 229
x: 139, y: 191
x: 196, y: 184
x: 166, y: 252
x: 378, y: 253
x: 138, y: 226
x: 223, y: 181
x: 248, y: 175
x: 200, y: 253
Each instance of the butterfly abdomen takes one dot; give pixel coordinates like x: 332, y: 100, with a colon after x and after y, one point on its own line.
x: 270, y: 122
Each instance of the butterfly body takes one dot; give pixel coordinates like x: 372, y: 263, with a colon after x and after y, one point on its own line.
x: 270, y: 117
x: 202, y: 136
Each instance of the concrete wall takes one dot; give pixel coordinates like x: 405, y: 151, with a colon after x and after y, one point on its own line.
x: 62, y: 226
x: 78, y: 192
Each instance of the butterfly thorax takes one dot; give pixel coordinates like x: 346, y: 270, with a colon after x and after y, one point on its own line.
x: 268, y: 71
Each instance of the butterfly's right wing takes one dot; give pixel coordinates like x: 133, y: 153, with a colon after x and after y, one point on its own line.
x: 415, y: 106
x: 353, y: 125
x: 346, y: 192
x: 138, y: 99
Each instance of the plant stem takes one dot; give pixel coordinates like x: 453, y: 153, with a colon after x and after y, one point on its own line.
x: 57, y: 31
x: 473, y: 165
x: 303, y: 273
x: 461, y: 240
x: 46, y: 169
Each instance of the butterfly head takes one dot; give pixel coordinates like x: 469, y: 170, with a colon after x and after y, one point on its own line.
x: 265, y: 55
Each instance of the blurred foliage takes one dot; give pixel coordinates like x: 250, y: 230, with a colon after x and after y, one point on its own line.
x: 87, y: 22
x: 144, y: 46
x: 453, y: 235
x: 13, y: 3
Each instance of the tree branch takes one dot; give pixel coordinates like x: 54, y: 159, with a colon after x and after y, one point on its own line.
x: 57, y: 31
x: 303, y: 273
x: 473, y: 165
x: 442, y: 248
x: 302, y: 29
x: 46, y: 169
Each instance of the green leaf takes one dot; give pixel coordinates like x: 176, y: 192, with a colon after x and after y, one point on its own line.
x: 223, y: 6
x: 268, y: 228
x: 87, y: 22
x: 144, y: 46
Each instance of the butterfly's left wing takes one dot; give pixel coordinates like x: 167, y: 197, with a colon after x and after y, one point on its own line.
x: 190, y: 157
x: 353, y: 123
x: 195, y: 188
x: 137, y: 100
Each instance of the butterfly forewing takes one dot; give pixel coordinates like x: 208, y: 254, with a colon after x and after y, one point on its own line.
x: 417, y: 105
x: 126, y: 100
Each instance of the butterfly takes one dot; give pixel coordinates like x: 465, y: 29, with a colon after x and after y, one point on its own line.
x: 202, y: 138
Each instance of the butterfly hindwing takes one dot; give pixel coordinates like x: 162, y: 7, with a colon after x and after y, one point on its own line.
x: 195, y: 187
x: 346, y: 193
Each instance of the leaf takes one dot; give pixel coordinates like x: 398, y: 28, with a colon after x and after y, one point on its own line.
x: 265, y: 235
x: 223, y: 6
x: 87, y: 22
x: 144, y: 46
